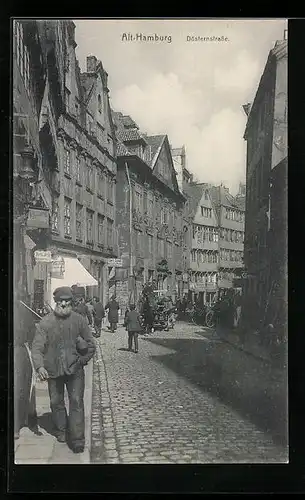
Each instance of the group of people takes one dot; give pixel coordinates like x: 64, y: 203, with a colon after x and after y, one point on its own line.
x: 93, y: 310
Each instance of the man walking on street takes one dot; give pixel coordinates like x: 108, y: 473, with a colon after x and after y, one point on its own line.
x: 134, y: 327
x: 113, y: 313
x: 82, y: 308
x: 99, y: 314
x: 62, y: 346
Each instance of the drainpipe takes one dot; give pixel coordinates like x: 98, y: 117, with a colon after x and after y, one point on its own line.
x: 131, y: 278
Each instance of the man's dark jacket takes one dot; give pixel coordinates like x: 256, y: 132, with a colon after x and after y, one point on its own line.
x: 133, y: 321
x: 55, y: 341
x: 113, y: 313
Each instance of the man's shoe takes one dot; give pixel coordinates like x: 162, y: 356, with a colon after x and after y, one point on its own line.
x: 61, y: 438
x: 78, y: 448
x: 136, y: 351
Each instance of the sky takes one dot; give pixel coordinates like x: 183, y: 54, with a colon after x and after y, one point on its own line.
x: 193, y: 91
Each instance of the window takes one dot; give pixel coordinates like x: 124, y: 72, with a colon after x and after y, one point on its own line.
x: 79, y: 222
x: 169, y: 250
x: 22, y: 55
x: 67, y: 165
x: 89, y: 226
x: 164, y: 216
x: 100, y: 226
x: 150, y: 204
x: 100, y: 133
x: 89, y: 177
x: 138, y: 200
x: 78, y: 169
x: 206, y: 212
x: 67, y: 217
x: 194, y: 231
x: 55, y: 215
x: 99, y: 103
x: 193, y: 253
x: 100, y: 184
x: 206, y: 195
x: 110, y: 189
x: 150, y: 244
x: 109, y: 233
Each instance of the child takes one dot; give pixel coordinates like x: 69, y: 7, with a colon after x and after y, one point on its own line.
x: 134, y: 327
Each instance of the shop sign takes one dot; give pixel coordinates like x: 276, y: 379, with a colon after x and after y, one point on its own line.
x: 38, y: 218
x: 43, y: 256
x: 58, y: 268
x: 115, y: 262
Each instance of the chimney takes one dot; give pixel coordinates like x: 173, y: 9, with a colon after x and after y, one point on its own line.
x: 246, y: 108
x: 91, y: 64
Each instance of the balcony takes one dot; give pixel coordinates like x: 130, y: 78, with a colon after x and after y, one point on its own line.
x: 205, y: 245
x: 203, y: 287
x: 231, y: 264
x: 204, y: 266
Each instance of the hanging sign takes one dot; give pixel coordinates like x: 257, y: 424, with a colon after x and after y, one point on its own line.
x: 58, y: 268
x: 43, y: 256
x: 38, y: 218
x: 115, y: 262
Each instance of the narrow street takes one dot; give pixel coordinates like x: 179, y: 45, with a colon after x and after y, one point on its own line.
x: 186, y: 397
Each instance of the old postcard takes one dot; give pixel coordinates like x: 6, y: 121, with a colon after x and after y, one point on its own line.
x: 150, y: 241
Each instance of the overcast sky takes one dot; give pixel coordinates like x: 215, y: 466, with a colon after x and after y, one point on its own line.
x: 191, y: 91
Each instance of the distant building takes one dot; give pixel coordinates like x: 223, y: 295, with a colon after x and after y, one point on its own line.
x: 204, y: 251
x: 183, y: 175
x: 216, y: 250
x: 155, y: 242
x: 266, y: 197
x: 230, y: 212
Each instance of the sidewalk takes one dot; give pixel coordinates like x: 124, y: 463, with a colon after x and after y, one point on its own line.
x: 250, y: 345
x: 31, y: 448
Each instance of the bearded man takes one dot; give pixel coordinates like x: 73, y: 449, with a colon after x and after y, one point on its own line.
x: 62, y: 346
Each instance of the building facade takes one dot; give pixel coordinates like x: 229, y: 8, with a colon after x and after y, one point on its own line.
x: 150, y: 223
x: 83, y: 234
x: 265, y: 226
x: 216, y: 250
x: 203, y: 251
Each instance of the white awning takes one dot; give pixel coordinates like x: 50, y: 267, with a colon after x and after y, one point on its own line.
x: 74, y: 274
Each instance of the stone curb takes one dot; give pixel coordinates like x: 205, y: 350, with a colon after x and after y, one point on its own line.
x: 104, y: 445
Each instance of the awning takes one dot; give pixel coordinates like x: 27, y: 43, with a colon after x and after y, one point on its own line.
x: 74, y: 274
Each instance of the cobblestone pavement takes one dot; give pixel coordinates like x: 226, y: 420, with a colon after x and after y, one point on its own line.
x: 151, y: 407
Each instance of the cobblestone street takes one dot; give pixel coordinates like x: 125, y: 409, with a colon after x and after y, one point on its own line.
x: 175, y: 401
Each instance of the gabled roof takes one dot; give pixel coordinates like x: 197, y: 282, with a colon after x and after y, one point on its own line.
x: 221, y: 196
x: 279, y: 50
x: 156, y: 143
x: 126, y: 135
x: 194, y: 194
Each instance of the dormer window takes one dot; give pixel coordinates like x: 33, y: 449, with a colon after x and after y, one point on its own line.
x: 99, y: 102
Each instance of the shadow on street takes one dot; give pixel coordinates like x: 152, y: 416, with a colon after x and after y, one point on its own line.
x: 245, y: 384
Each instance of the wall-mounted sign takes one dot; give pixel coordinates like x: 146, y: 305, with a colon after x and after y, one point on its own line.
x: 58, y: 268
x: 38, y: 218
x: 43, y: 256
x: 115, y: 262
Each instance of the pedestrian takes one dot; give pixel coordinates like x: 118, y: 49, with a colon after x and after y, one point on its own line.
x: 134, y: 327
x: 81, y: 308
x: 62, y: 346
x: 99, y: 314
x: 89, y: 304
x: 113, y: 313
